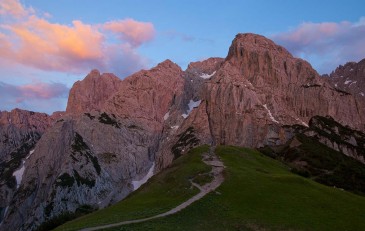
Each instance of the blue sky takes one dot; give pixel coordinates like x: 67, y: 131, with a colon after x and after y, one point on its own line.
x: 326, y: 33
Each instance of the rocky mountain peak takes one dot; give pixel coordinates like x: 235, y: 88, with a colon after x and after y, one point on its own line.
x: 207, y: 66
x: 93, y: 73
x: 253, y: 43
x: 168, y: 64
x: 92, y: 92
x: 25, y: 119
x: 350, y: 78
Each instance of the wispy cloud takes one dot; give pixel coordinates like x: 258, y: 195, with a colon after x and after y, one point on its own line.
x: 326, y: 44
x: 131, y: 31
x: 14, y: 9
x: 32, y: 40
x: 33, y: 91
x: 43, y: 97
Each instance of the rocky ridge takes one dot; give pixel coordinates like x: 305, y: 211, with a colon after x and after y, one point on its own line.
x: 92, y: 92
x: 349, y: 78
x: 115, y: 132
x: 20, y: 130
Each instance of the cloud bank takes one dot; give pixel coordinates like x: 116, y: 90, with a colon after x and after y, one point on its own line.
x: 326, y: 44
x: 28, y: 39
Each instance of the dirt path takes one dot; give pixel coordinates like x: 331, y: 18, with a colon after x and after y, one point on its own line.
x: 217, y: 172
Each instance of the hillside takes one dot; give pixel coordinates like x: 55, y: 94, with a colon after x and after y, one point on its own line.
x: 258, y: 193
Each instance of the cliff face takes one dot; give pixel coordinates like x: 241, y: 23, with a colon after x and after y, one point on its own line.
x: 116, y: 131
x: 98, y: 156
x: 90, y: 160
x: 146, y: 96
x: 261, y: 87
x: 91, y: 93
x: 350, y: 78
x: 20, y: 130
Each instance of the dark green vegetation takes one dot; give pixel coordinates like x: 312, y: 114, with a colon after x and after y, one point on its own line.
x: 328, y: 127
x: 309, y: 158
x: 203, y: 179
x: 64, y: 217
x: 161, y: 193
x: 7, y: 168
x: 80, y: 148
x: 106, y: 119
x: 327, y: 166
x: 259, y: 193
x: 65, y: 180
x: 186, y: 140
x: 80, y: 151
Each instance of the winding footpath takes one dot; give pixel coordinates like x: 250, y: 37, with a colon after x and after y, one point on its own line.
x: 217, y: 172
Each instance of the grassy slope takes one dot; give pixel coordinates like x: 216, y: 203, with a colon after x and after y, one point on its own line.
x: 163, y: 192
x: 260, y: 193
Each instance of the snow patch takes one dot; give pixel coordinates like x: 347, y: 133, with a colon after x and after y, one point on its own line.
x: 336, y: 85
x: 361, y: 93
x: 353, y: 83
x: 348, y: 81
x: 192, y: 104
x: 175, y: 127
x: 19, y: 174
x: 302, y: 122
x: 207, y: 76
x: 270, y: 115
x: 166, y: 116
x: 30, y: 153
x: 351, y: 69
x: 139, y: 183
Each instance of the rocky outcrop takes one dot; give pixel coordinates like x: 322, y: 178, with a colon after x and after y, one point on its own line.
x: 261, y: 87
x: 338, y: 137
x: 20, y: 130
x: 92, y: 92
x: 91, y: 160
x: 326, y: 151
x: 97, y: 157
x: 349, y: 78
x: 146, y: 96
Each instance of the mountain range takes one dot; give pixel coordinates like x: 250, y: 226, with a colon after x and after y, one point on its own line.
x: 116, y: 133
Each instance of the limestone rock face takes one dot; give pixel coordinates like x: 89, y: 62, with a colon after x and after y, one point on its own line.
x: 19, y: 132
x: 350, y: 78
x: 205, y: 67
x: 90, y: 160
x: 92, y: 92
x: 261, y: 87
x: 146, y: 96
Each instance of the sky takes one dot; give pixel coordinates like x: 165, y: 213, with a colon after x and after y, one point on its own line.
x: 45, y: 46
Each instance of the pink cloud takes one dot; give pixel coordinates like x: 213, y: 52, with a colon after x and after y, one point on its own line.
x: 48, y: 46
x: 13, y: 8
x: 42, y: 97
x: 132, y: 31
x: 77, y: 48
x: 33, y: 91
x: 326, y: 45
